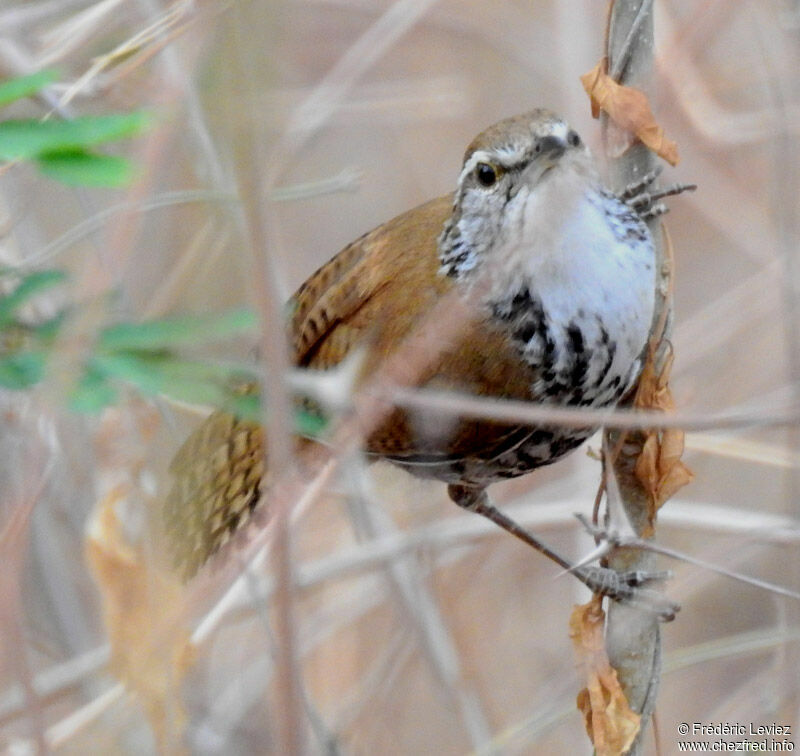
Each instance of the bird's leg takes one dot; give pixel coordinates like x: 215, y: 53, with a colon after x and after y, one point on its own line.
x: 625, y: 587
x: 638, y: 197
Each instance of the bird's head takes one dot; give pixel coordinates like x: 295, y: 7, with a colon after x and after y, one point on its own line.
x: 514, y: 176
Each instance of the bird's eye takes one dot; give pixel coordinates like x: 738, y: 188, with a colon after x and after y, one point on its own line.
x: 537, y: 148
x: 573, y: 138
x: 486, y: 174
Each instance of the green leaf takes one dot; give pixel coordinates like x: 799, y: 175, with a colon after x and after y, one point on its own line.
x: 81, y: 168
x: 171, y: 332
x: 161, y: 373
x: 29, y: 138
x: 47, y: 331
x: 150, y: 374
x: 308, y: 423
x: 248, y: 407
x: 22, y: 86
x: 93, y: 392
x: 196, y: 392
x: 130, y: 368
x: 31, y: 284
x: 22, y: 370
x: 245, y: 406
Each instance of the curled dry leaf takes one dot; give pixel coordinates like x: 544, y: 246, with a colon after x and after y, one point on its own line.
x: 149, y: 652
x: 611, y: 724
x: 659, y: 468
x: 629, y: 109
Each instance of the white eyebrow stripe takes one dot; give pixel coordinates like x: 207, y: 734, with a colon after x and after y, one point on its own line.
x: 512, y: 155
x: 560, y: 130
x: 479, y: 156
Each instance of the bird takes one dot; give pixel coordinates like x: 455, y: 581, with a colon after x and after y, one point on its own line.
x: 559, y: 272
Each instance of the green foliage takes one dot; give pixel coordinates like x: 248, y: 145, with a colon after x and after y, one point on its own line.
x: 172, y: 332
x: 62, y: 149
x: 144, y: 357
x: 23, y: 369
x: 80, y: 168
x: 28, y: 138
x: 93, y: 392
x: 32, y: 284
x: 167, y: 373
x: 25, y: 86
x: 309, y: 424
x: 141, y: 355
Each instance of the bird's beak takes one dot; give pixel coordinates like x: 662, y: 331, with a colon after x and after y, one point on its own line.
x: 553, y: 147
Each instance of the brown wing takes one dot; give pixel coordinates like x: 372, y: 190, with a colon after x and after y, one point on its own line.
x: 217, y: 472
x: 377, y: 287
x: 374, y: 292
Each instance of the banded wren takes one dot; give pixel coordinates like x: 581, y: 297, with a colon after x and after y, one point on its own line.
x: 562, y: 317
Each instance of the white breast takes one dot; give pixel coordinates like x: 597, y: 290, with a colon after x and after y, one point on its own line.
x: 587, y: 262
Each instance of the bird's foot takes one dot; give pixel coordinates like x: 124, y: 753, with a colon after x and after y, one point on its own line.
x: 631, y: 588
x: 639, y: 197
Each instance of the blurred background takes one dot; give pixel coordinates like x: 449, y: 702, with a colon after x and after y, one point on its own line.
x: 418, y: 628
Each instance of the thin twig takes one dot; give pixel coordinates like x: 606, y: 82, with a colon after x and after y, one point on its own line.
x: 624, y: 55
x: 615, y: 540
x: 452, y: 404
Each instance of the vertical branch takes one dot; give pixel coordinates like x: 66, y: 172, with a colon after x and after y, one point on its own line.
x: 264, y: 249
x: 633, y: 636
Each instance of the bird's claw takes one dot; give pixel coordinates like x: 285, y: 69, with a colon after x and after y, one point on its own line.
x: 642, y: 199
x: 631, y: 588
x: 636, y: 188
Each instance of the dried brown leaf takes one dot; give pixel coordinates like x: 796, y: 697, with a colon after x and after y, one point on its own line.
x: 678, y: 476
x: 672, y: 444
x: 653, y: 391
x: 630, y: 109
x: 659, y: 469
x: 611, y: 724
x: 647, y: 464
x: 148, y: 652
x: 648, y: 385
